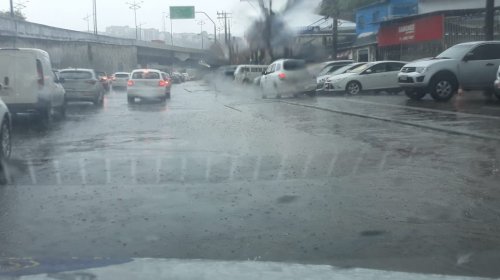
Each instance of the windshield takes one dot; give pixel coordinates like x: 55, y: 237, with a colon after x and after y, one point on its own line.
x: 360, y: 69
x: 299, y: 162
x: 75, y: 75
x: 145, y: 75
x: 455, y: 52
x: 294, y: 64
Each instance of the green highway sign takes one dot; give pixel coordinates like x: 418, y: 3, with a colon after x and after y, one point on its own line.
x: 182, y: 12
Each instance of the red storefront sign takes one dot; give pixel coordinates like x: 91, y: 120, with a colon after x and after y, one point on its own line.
x: 419, y: 30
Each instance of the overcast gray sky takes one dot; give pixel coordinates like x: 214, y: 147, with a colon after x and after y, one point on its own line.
x: 70, y: 13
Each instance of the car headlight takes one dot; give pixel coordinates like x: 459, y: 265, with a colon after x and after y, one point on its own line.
x: 421, y: 70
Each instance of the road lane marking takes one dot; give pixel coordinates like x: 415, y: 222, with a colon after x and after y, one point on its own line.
x: 133, y: 170
x: 31, y: 169
x: 108, y: 170
x: 208, y: 169
x: 331, y: 168
x: 227, y: 106
x: 307, y: 165
x: 256, y: 171
x: 158, y: 170
x: 282, y: 167
x: 57, y: 172
x: 232, y: 170
x: 183, y: 169
x: 83, y: 172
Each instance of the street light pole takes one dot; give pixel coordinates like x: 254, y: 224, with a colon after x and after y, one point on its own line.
x: 135, y: 6
x: 87, y: 19
x: 201, y: 23
x: 215, y: 25
x: 95, y: 16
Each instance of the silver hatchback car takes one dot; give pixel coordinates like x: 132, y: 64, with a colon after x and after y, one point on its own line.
x: 82, y: 85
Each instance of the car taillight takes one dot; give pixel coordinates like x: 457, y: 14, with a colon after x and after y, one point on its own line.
x: 92, y: 82
x: 162, y: 83
x: 130, y: 83
x: 282, y: 76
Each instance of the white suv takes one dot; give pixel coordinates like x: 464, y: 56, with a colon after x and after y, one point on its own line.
x: 471, y: 66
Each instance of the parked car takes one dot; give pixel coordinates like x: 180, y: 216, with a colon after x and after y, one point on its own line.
x: 104, y: 80
x: 5, y: 132
x: 177, y: 78
x: 119, y: 80
x: 246, y: 74
x: 82, y: 85
x: 497, y: 84
x: 227, y: 71
x: 380, y: 75
x: 287, y: 77
x: 147, y: 84
x: 330, y: 66
x: 320, y: 81
x: 168, y: 80
x: 471, y: 66
x: 28, y: 84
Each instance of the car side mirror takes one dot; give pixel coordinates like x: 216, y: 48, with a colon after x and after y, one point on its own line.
x: 468, y: 56
x: 368, y: 71
x: 264, y: 72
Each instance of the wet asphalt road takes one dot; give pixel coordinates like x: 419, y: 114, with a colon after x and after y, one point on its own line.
x: 370, y: 181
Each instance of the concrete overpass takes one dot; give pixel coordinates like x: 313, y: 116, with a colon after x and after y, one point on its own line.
x: 69, y: 48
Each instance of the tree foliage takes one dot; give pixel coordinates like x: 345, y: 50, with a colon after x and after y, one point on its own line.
x: 17, y: 14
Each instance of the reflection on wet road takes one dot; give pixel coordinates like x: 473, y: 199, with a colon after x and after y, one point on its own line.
x: 370, y: 181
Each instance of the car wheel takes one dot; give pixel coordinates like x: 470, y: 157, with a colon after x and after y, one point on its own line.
x: 353, y: 88
x: 415, y: 94
x: 131, y: 100
x: 443, y: 88
x: 5, y: 140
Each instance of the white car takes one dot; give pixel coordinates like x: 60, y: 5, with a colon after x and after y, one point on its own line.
x: 120, y: 80
x: 5, y: 131
x: 377, y: 76
x: 287, y: 77
x: 82, y: 85
x: 471, y: 66
x: 147, y: 84
x: 246, y: 74
x: 320, y: 81
x: 28, y: 84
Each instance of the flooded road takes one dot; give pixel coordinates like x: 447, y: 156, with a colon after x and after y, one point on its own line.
x: 371, y: 181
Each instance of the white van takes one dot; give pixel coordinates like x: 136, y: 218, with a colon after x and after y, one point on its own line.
x: 247, y: 73
x: 28, y: 84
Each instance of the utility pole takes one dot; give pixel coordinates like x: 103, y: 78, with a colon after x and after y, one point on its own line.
x: 215, y: 25
x: 223, y: 15
x: 490, y: 20
x: 135, y: 6
x: 94, y: 8
x: 201, y: 23
x: 13, y: 16
x: 87, y: 19
x: 335, y: 28
x: 140, y: 29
